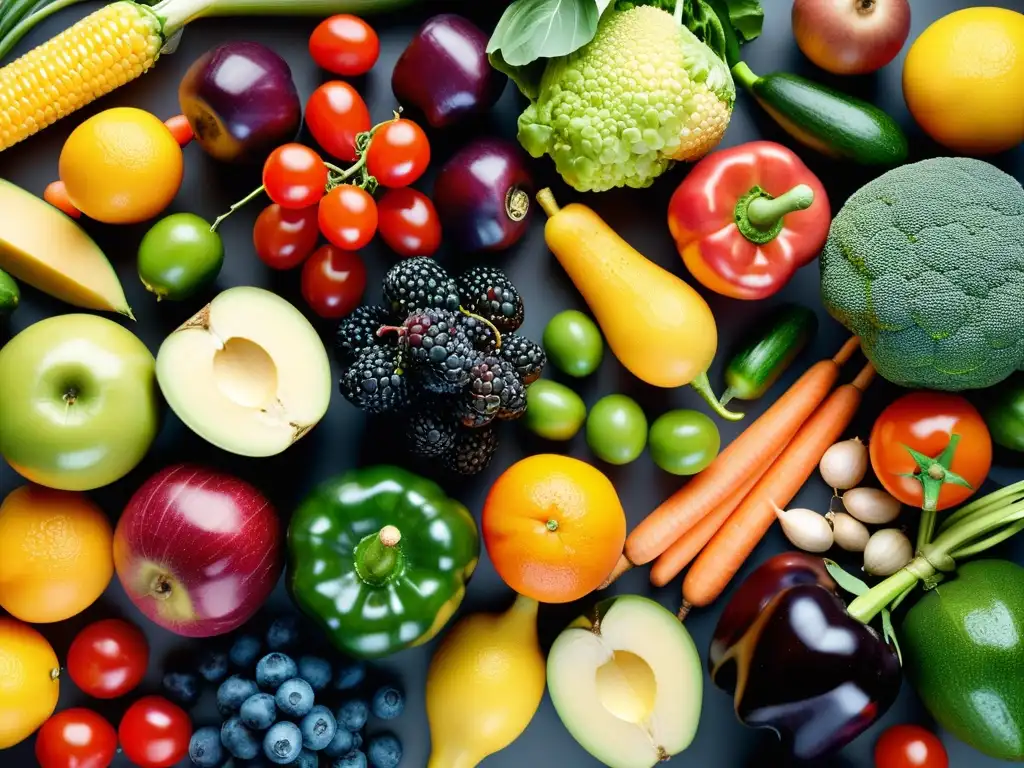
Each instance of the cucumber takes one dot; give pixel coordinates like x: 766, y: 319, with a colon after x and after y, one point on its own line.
x: 831, y: 122
x: 758, y: 365
x: 9, y: 294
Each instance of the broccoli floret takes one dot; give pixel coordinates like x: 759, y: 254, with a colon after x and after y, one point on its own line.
x: 926, y: 265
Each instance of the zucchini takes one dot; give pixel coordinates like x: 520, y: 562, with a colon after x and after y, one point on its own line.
x: 9, y: 294
x: 758, y: 365
x: 831, y: 122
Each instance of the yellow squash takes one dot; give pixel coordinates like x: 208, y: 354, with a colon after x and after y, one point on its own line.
x: 484, y: 685
x: 659, y: 328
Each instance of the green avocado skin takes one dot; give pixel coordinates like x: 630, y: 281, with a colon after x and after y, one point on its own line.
x: 963, y: 651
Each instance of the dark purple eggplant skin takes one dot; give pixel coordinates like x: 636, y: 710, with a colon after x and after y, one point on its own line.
x: 444, y: 71
x: 484, y: 196
x: 241, y: 102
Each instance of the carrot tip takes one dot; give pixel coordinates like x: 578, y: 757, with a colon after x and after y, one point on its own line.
x: 621, y: 567
x: 684, y: 611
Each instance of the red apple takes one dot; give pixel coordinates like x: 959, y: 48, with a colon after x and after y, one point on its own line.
x: 851, y: 37
x: 198, y: 551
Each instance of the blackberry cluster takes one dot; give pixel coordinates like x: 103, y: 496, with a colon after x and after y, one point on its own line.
x: 446, y: 351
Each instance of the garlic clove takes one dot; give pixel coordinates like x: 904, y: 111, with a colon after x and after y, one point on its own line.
x: 887, y: 551
x: 844, y: 464
x: 849, y: 532
x: 871, y: 505
x: 805, y: 529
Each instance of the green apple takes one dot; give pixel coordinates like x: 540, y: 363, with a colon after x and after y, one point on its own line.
x: 79, y: 406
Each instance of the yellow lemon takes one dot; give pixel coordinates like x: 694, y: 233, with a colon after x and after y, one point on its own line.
x: 963, y: 80
x: 121, y: 166
x: 28, y: 681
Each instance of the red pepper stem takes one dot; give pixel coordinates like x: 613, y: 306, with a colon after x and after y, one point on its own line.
x: 703, y: 387
x: 765, y: 212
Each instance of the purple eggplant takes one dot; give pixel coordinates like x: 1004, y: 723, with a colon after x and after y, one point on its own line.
x: 444, y: 72
x: 483, y: 196
x: 241, y: 102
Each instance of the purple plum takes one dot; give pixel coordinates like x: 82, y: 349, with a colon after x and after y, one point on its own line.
x: 241, y: 102
x: 444, y: 72
x: 483, y: 196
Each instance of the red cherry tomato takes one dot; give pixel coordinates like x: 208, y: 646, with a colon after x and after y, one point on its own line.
x: 180, y: 129
x: 154, y: 733
x: 76, y: 738
x: 408, y: 222
x: 344, y: 44
x: 333, y: 281
x: 108, y: 658
x: 336, y: 114
x: 284, y: 237
x: 294, y: 176
x: 348, y: 217
x: 910, y: 746
x: 399, y: 153
x: 926, y: 422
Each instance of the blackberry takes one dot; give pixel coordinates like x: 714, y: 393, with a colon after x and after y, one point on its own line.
x: 487, y: 292
x: 480, y: 334
x: 471, y: 412
x: 358, y: 331
x: 417, y: 284
x: 377, y: 381
x: 431, y: 430
x: 494, y: 387
x: 473, y: 451
x: 527, y: 356
x: 436, y: 343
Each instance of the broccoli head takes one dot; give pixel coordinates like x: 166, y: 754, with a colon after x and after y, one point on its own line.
x: 642, y: 94
x: 926, y: 265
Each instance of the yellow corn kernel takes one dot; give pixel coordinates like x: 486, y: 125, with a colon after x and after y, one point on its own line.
x: 106, y: 49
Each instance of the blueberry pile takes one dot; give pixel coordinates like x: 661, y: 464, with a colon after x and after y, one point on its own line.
x: 445, y: 353
x: 275, y: 708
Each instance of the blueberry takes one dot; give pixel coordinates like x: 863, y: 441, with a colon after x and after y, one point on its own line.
x: 352, y: 715
x: 294, y: 698
x: 283, y: 633
x: 239, y: 740
x: 340, y: 745
x: 350, y: 676
x: 318, y: 728
x: 315, y: 671
x: 384, y: 751
x: 306, y: 759
x: 354, y: 759
x: 233, y: 692
x: 244, y: 651
x: 213, y: 666
x: 258, y: 711
x: 205, y: 748
x: 273, y: 669
x: 181, y: 687
x: 357, y: 740
x: 388, y: 703
x: 282, y: 743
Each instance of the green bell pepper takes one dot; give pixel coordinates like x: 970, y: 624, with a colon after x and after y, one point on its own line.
x: 380, y: 557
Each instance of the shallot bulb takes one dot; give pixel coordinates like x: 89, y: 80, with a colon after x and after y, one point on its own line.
x: 887, y: 551
x: 844, y: 464
x: 871, y: 506
x: 805, y: 529
x: 849, y: 532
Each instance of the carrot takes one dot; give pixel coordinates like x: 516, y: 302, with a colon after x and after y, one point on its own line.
x: 620, y: 568
x: 741, y: 460
x: 736, y: 539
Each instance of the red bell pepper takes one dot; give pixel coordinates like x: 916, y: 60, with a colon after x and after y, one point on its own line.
x: 746, y: 218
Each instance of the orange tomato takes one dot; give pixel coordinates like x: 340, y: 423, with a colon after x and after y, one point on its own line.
x: 554, y: 527
x: 28, y: 681
x: 56, y: 554
x: 952, y: 445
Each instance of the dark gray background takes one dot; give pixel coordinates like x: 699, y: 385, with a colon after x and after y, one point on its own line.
x: 343, y: 439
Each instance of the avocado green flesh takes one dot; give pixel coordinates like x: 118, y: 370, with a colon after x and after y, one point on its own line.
x: 963, y: 651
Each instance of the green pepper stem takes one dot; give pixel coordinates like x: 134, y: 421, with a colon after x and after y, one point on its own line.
x: 703, y: 387
x: 765, y: 212
x: 378, y: 557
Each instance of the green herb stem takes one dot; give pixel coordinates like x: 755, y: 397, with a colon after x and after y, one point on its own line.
x: 23, y: 27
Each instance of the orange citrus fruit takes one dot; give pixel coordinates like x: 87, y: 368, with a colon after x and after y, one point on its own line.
x: 963, y: 80
x: 121, y: 166
x: 56, y: 554
x: 554, y: 527
x: 28, y: 681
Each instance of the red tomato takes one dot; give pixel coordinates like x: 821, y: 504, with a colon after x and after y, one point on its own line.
x: 408, y: 222
x: 284, y: 237
x: 333, y: 281
x: 399, y: 153
x: 180, y: 129
x: 336, y: 114
x: 910, y: 746
x: 930, y: 423
x: 56, y: 194
x: 108, y: 658
x: 348, y: 217
x: 154, y: 733
x: 294, y: 176
x: 76, y: 738
x: 344, y: 44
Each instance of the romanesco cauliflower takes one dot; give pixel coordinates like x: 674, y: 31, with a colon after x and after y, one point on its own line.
x: 642, y: 94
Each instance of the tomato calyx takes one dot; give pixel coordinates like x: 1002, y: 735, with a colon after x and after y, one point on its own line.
x: 934, y: 471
